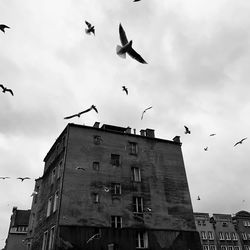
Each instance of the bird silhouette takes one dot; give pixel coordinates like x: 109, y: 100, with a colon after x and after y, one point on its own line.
x: 187, y: 131
x: 4, y: 177
x: 3, y: 27
x: 90, y: 28
x: 127, y: 47
x: 240, y: 142
x: 94, y: 237
x: 6, y: 89
x: 23, y: 178
x: 212, y: 134
x: 198, y: 198
x: 79, y: 168
x: 106, y: 189
x: 80, y: 113
x: 125, y: 89
x: 206, y: 148
x: 145, y: 111
x: 137, y: 0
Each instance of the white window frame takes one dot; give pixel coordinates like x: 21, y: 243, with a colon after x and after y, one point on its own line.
x: 53, y: 176
x: 203, y: 235
x: 116, y: 188
x: 234, y: 236
x: 45, y: 240
x: 56, y: 197
x: 230, y: 248
x: 142, y: 240
x: 51, y: 238
x: 137, y: 204
x: 236, y: 247
x: 210, y: 235
x: 244, y: 236
x: 205, y: 247
x: 96, y: 198
x: 246, y: 247
x: 136, y: 173
x: 133, y: 148
x: 227, y: 236
x: 223, y: 247
x: 49, y: 206
x: 221, y: 236
x: 212, y: 247
x: 116, y: 221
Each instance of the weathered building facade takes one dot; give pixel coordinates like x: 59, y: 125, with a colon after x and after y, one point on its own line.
x: 107, y: 188
x: 18, y: 230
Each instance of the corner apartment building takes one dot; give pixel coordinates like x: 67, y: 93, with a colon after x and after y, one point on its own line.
x: 18, y: 230
x: 107, y: 188
x: 242, y: 223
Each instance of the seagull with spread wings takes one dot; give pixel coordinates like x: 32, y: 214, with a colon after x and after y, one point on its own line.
x: 240, y: 142
x: 90, y: 28
x: 206, y: 148
x: 80, y: 168
x: 198, y: 198
x: 145, y: 111
x: 127, y: 47
x: 124, y: 88
x: 187, y: 131
x: 6, y: 89
x: 4, y: 177
x: 94, y: 237
x: 212, y: 134
x: 23, y: 178
x: 3, y: 27
x: 80, y: 113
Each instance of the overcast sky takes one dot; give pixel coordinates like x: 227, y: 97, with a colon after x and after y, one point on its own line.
x: 197, y: 75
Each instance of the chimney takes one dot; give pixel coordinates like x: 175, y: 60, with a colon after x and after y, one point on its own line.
x: 150, y: 133
x: 134, y: 131
x: 128, y: 130
x: 177, y: 139
x: 96, y: 125
x: 143, y: 132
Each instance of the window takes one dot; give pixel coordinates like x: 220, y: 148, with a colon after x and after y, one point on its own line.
x: 137, y: 204
x: 210, y: 235
x: 246, y: 223
x: 221, y: 236
x: 203, y: 235
x: 116, y: 188
x: 230, y: 248
x: 212, y: 247
x: 115, y: 160
x: 136, y: 174
x: 49, y: 206
x: 244, y: 236
x: 246, y: 247
x: 223, y: 247
x: 59, y: 169
x: 228, y: 237
x: 234, y: 236
x: 53, y: 175
x: 199, y: 222
x: 29, y: 246
x: 96, y: 198
x: 204, y: 223
x: 205, y: 247
x: 97, y: 139
x: 55, y: 201
x: 96, y: 165
x: 236, y: 248
x: 142, y: 240
x: 133, y: 148
x: 45, y: 240
x: 116, y: 221
x: 51, y: 238
x: 224, y: 224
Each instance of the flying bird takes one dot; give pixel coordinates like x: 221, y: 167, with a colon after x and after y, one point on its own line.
x: 3, y: 27
x: 206, y: 148
x: 124, y: 88
x: 198, y: 198
x: 6, y: 89
x: 23, y: 178
x: 240, y: 142
x: 187, y: 131
x: 80, y: 113
x: 94, y: 237
x: 127, y: 47
x: 90, y: 28
x: 137, y: 0
x: 148, y: 209
x: 34, y: 193
x: 145, y: 111
x: 106, y: 189
x: 79, y: 168
x: 212, y: 134
x: 4, y: 177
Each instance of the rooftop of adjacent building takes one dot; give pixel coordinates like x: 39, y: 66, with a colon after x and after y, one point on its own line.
x: 20, y: 217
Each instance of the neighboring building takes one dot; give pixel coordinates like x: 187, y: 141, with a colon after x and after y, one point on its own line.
x: 206, y: 231
x: 18, y: 229
x: 242, y: 222
x: 107, y: 188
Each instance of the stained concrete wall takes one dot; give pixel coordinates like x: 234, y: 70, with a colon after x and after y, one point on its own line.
x: 164, y: 184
